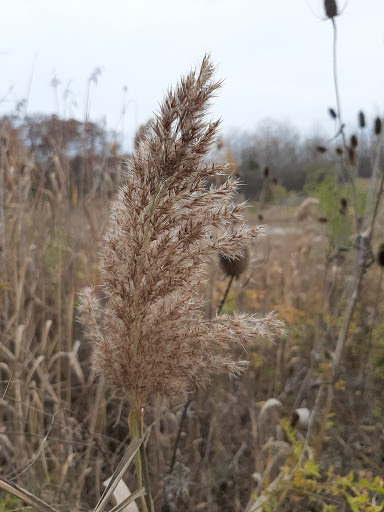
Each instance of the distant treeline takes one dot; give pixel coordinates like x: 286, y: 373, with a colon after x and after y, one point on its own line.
x: 86, y: 157
x: 277, y: 150
x: 80, y: 157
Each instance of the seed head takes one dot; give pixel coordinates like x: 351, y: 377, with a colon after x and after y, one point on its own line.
x: 321, y: 149
x: 380, y: 255
x: 339, y: 151
x: 332, y: 113
x: 354, y: 141
x: 378, y: 125
x: 361, y: 119
x: 343, y: 205
x: 266, y: 172
x: 150, y: 334
x: 234, y: 268
x: 330, y: 8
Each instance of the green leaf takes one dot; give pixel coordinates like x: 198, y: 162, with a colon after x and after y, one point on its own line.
x: 351, y: 502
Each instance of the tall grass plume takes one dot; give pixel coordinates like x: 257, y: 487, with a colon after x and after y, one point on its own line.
x: 149, y: 334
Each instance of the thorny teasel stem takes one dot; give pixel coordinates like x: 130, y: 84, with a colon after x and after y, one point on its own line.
x: 340, y: 119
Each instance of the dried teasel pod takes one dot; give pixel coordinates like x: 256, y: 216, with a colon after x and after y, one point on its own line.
x: 330, y: 8
x: 361, y: 119
x: 332, y: 113
x: 321, y: 149
x: 275, y: 181
x: 260, y: 217
x: 343, y: 205
x: 322, y: 220
x: 266, y: 172
x: 354, y: 141
x: 380, y: 255
x: 234, y: 267
x: 378, y: 126
x: 339, y: 151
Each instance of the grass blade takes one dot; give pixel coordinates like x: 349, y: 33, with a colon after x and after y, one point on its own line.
x: 27, y: 497
x: 121, y: 506
x: 131, y: 451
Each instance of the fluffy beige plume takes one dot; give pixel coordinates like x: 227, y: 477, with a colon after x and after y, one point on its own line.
x: 151, y: 335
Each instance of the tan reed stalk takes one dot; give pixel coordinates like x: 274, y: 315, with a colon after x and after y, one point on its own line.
x: 151, y: 336
x: 3, y: 245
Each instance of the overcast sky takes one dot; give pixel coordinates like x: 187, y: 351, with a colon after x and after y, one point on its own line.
x: 275, y: 57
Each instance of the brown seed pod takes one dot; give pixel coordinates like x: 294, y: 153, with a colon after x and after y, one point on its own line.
x: 260, y: 217
x: 343, y: 205
x: 332, y: 113
x: 361, y: 119
x: 266, y: 172
x: 234, y: 268
x: 321, y: 149
x: 322, y: 220
x: 339, y: 151
x: 378, y: 125
x: 275, y: 181
x: 330, y: 8
x: 380, y: 255
x: 354, y: 141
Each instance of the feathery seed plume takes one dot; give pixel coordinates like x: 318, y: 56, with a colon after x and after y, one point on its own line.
x: 151, y: 335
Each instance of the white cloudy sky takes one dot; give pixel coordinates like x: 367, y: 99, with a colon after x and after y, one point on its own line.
x: 275, y: 57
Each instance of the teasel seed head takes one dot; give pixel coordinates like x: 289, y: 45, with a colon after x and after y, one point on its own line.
x: 354, y: 141
x: 260, y: 217
x: 378, y: 125
x: 380, y: 255
x: 322, y: 220
x: 236, y: 267
x: 321, y: 149
x: 361, y: 119
x: 266, y: 172
x: 339, y: 151
x: 330, y: 8
x: 275, y: 181
x: 343, y: 205
x: 332, y: 113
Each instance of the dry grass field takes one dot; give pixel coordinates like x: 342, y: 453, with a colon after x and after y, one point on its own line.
x: 300, y: 430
